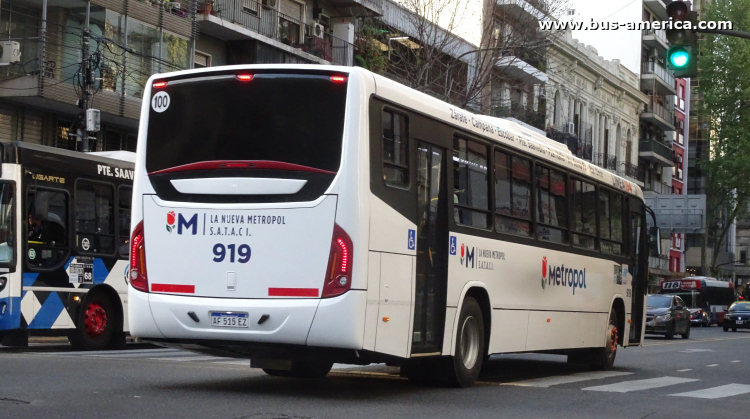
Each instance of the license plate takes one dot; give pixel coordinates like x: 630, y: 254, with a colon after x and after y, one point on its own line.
x: 740, y: 321
x: 228, y: 319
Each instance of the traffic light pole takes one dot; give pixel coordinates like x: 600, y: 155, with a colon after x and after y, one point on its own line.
x: 736, y: 34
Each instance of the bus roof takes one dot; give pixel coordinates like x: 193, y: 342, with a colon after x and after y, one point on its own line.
x: 499, y: 130
x: 710, y: 282
x: 123, y: 155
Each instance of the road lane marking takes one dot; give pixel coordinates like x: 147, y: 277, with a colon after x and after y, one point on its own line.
x: 690, y: 351
x: 566, y: 379
x: 636, y: 385
x: 712, y: 365
x: 150, y: 356
x: 716, y: 392
x: 685, y: 370
x: 736, y: 361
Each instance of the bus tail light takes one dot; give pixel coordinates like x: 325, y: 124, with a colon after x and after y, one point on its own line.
x: 339, y: 273
x: 138, y: 278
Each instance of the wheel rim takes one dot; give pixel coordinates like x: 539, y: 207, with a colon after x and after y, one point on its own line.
x: 469, y: 342
x: 96, y: 320
x: 612, y: 337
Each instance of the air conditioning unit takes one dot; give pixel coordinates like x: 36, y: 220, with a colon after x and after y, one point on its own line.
x: 542, y: 92
x: 319, y: 30
x: 571, y: 128
x: 11, y: 52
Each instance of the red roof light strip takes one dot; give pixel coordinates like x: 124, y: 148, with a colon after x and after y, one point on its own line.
x: 241, y: 164
x: 244, y: 77
x: 338, y: 79
x: 160, y: 84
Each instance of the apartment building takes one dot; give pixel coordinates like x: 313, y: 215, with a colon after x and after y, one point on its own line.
x: 593, y: 106
x: 41, y: 96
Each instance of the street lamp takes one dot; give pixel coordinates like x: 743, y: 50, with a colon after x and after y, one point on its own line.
x: 395, y: 38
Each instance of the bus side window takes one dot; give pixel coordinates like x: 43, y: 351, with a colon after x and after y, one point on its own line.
x: 95, y: 221
x: 47, y: 228
x: 552, y: 205
x: 470, y: 183
x: 124, y: 197
x: 611, y: 211
x: 395, y: 150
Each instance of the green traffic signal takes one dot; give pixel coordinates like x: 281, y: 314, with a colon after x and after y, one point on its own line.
x: 679, y: 58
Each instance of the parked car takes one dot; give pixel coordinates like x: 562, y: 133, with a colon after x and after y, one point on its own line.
x: 667, y: 315
x: 737, y: 317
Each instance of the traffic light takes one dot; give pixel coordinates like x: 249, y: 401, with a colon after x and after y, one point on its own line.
x: 682, y: 56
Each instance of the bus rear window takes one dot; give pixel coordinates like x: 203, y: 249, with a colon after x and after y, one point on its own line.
x: 289, y: 118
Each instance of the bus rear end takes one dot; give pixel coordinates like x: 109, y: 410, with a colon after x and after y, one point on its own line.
x: 236, y: 241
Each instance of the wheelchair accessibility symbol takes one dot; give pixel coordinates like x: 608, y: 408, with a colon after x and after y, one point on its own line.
x: 453, y: 246
x: 412, y: 239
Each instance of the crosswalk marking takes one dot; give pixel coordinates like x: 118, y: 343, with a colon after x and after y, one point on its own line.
x: 567, y: 379
x: 636, y: 385
x: 716, y: 392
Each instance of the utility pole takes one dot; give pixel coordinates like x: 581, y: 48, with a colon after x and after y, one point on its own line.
x: 89, y: 121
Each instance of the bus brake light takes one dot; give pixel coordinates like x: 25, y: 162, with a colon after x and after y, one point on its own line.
x: 138, y: 278
x: 339, y: 273
x: 160, y: 84
x: 338, y: 79
x: 244, y: 77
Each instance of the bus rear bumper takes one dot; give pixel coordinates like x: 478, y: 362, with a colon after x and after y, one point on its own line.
x: 327, y: 322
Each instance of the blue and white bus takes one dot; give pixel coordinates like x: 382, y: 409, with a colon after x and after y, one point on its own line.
x: 64, y: 242
x: 305, y: 215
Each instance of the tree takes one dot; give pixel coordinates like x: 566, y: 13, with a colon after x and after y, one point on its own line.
x: 725, y: 109
x: 456, y: 50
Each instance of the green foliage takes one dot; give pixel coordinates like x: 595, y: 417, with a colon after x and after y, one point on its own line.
x: 724, y: 87
x: 367, y: 52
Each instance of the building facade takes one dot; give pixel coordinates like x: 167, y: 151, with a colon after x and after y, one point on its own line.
x: 593, y: 106
x: 41, y: 97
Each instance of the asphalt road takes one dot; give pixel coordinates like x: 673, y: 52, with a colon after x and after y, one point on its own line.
x: 707, y: 376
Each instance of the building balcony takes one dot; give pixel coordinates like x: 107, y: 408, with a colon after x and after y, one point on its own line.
x: 520, y: 113
x: 530, y: 9
x: 659, y: 7
x: 517, y: 68
x: 657, y: 187
x: 657, y: 79
x: 661, y: 116
x: 563, y: 135
x: 656, y: 152
x: 605, y: 161
x: 359, y: 8
x: 656, y: 39
x: 628, y: 169
x: 232, y: 20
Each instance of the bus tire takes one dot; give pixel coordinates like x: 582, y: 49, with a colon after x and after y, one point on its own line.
x: 303, y: 369
x: 95, y: 327
x: 464, y: 367
x: 604, y: 358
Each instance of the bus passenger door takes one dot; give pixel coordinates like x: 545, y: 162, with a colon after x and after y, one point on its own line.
x: 432, y: 251
x: 638, y: 268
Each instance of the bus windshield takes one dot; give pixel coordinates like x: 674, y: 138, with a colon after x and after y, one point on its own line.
x: 7, y: 230
x: 289, y: 118
x: 691, y: 298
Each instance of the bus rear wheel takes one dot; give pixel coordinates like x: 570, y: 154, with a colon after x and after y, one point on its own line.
x: 465, y: 365
x: 95, y: 327
x: 601, y: 358
x: 303, y: 369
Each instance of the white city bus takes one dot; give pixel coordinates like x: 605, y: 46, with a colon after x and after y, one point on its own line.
x: 305, y: 215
